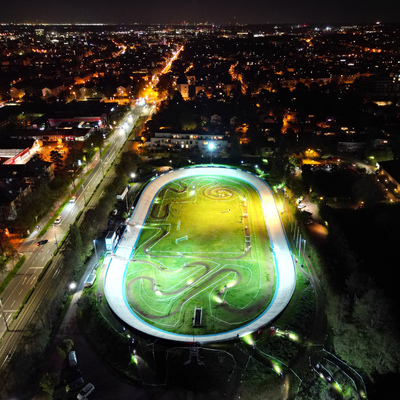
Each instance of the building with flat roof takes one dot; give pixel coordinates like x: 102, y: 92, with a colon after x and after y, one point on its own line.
x: 190, y: 140
x: 14, y: 151
x: 68, y: 134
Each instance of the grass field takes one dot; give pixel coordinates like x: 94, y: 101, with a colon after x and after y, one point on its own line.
x: 205, y: 245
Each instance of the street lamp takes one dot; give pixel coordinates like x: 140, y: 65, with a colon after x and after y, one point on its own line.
x: 73, y: 179
x: 101, y: 161
x: 211, y: 147
x: 84, y: 196
x: 304, y: 248
x: 95, y: 250
x: 55, y: 236
x: 126, y: 129
x: 4, y: 316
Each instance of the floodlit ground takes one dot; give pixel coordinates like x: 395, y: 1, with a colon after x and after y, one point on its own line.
x: 204, y: 245
x: 223, y: 241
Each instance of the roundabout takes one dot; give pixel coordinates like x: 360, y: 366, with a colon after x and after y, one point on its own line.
x: 204, y: 257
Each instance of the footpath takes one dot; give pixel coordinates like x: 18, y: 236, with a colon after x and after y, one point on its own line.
x: 22, y: 245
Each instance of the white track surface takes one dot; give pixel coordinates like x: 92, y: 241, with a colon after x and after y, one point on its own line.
x: 285, y: 269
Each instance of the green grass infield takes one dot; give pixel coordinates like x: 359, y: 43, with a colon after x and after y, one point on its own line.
x: 204, y: 245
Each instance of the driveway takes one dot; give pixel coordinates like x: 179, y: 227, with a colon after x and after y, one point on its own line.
x: 311, y: 208
x: 317, y: 229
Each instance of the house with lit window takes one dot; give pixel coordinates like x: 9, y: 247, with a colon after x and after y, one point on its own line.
x: 52, y: 89
x: 189, y: 140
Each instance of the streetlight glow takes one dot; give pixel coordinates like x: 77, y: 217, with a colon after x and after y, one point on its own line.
x: 95, y: 250
x: 211, y: 147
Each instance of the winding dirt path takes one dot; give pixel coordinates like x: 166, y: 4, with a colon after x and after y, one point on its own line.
x: 212, y: 191
x: 115, y: 288
x: 193, y: 292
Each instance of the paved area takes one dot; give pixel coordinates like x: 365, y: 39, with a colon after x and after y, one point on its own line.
x: 94, y: 370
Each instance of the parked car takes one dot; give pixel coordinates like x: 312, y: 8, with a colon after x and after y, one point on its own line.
x: 41, y: 242
x: 72, y: 199
x: 72, y: 360
x: 301, y: 205
x: 85, y: 391
x: 57, y: 220
x: 90, y: 280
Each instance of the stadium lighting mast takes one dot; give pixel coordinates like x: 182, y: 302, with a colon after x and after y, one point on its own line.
x: 95, y: 250
x: 211, y: 147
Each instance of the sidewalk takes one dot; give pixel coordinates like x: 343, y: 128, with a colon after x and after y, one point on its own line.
x: 34, y: 234
x: 21, y: 250
x: 11, y: 264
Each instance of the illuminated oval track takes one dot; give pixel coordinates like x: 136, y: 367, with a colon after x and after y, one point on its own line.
x: 284, y: 265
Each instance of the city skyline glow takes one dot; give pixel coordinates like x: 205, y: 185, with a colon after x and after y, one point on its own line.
x: 234, y: 12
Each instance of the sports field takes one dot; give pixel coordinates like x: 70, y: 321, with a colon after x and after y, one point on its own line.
x: 204, y: 245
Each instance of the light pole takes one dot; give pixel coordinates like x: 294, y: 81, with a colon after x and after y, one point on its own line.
x: 95, y: 250
x: 84, y: 197
x: 211, y: 147
x: 101, y: 161
x: 55, y: 236
x: 128, y: 187
x: 4, y: 316
x: 126, y: 128
x: 73, y: 179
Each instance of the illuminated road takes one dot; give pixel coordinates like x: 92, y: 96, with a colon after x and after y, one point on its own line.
x: 285, y: 269
x: 150, y: 92
x: 38, y: 256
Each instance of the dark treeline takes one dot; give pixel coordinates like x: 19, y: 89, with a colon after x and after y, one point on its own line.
x: 358, y: 281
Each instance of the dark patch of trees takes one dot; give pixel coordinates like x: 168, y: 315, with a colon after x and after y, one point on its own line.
x: 360, y: 305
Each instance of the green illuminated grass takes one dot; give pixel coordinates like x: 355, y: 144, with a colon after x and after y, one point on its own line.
x: 204, y: 244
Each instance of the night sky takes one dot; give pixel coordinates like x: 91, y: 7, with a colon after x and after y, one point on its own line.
x: 194, y: 11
